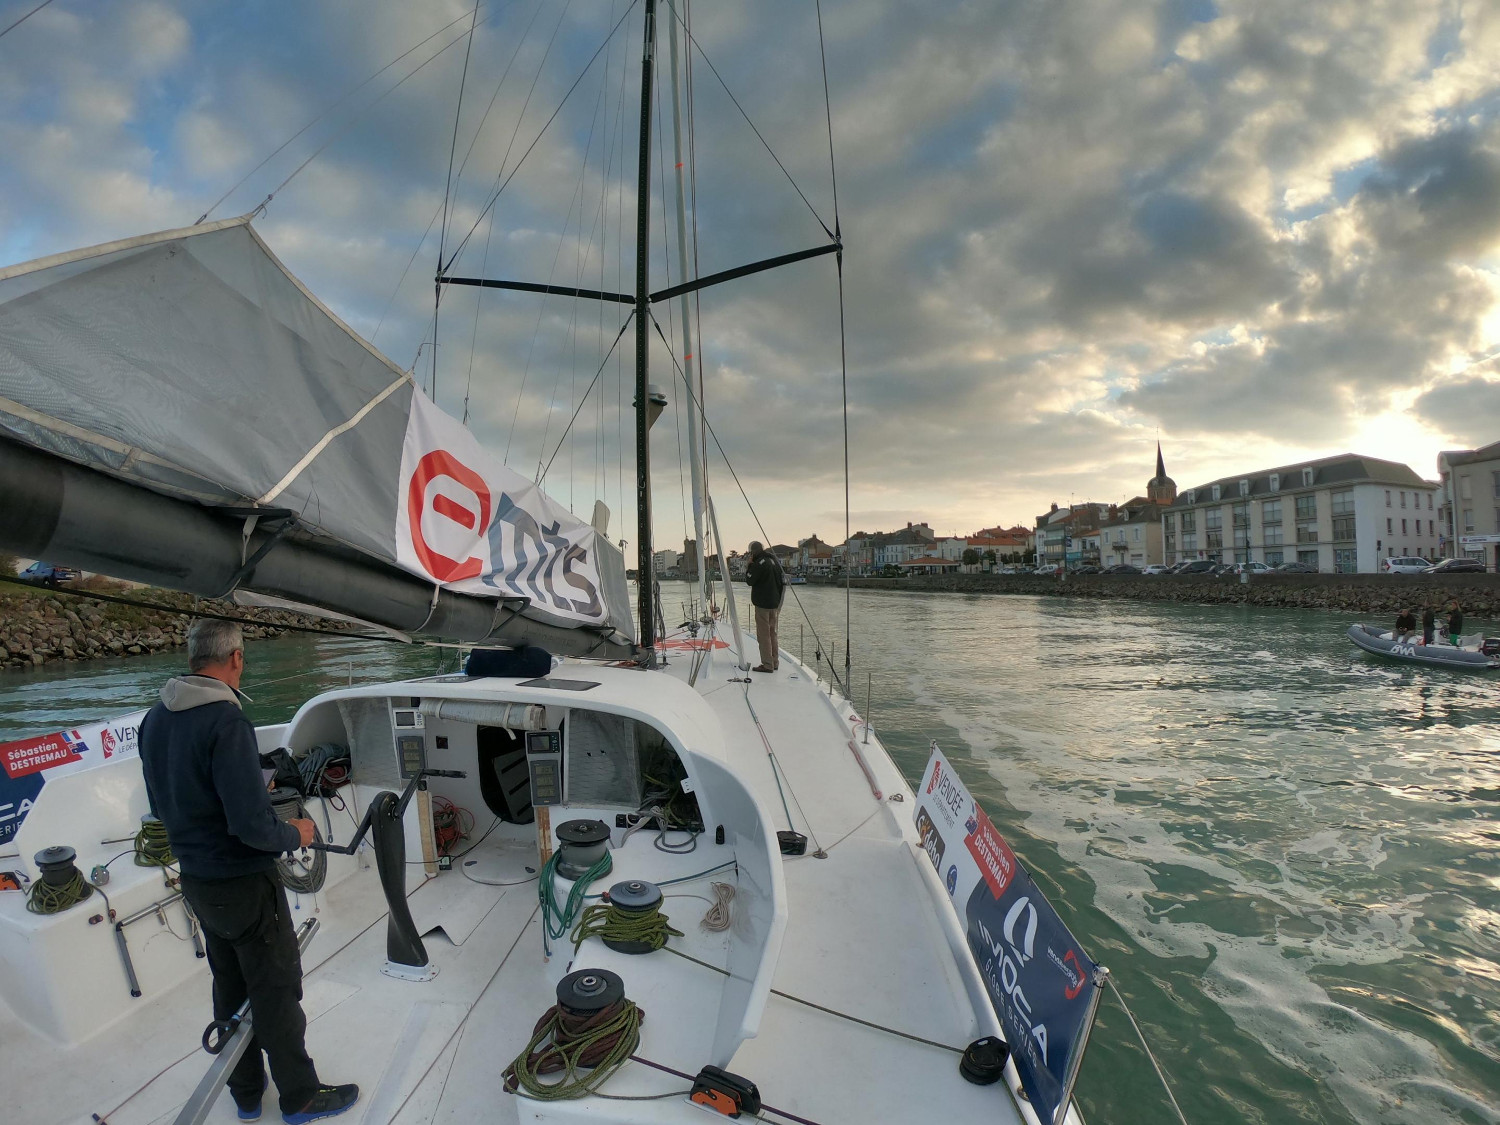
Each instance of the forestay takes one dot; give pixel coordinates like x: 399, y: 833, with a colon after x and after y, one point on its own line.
x: 191, y: 362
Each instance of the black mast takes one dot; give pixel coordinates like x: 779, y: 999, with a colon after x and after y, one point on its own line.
x: 645, y: 568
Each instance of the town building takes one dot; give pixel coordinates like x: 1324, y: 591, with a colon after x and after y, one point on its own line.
x: 1133, y: 532
x: 1060, y: 533
x: 1341, y: 514
x: 1470, y: 525
x: 897, y: 547
x: 665, y: 561
x: 813, y: 555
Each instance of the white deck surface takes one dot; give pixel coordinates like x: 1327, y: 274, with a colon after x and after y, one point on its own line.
x: 864, y: 937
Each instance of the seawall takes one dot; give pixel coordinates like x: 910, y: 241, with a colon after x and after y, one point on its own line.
x: 39, y: 627
x: 1375, y: 595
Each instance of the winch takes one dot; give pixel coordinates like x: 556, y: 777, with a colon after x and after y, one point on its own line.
x: 587, y: 991
x: 593, y: 1027
x: 628, y: 921
x: 583, y: 843
x: 62, y: 885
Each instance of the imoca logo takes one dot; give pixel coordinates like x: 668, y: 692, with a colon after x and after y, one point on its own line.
x: 1023, y: 914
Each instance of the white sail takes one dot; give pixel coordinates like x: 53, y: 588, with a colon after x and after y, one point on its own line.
x: 193, y: 364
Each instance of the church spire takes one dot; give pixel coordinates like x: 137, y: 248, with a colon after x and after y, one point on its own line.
x: 1161, y: 489
x: 1161, y: 466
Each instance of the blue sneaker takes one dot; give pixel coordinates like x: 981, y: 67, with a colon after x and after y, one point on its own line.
x: 329, y: 1101
x: 252, y: 1112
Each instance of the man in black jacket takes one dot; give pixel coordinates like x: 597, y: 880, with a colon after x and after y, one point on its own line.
x: 204, y: 782
x: 767, y: 588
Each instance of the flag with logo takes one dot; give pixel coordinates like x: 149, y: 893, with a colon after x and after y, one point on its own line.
x: 1043, y: 986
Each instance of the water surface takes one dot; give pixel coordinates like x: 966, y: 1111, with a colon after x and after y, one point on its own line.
x: 1286, y: 851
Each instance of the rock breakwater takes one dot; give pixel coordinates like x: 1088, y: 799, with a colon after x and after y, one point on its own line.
x: 1374, y: 595
x: 40, y: 627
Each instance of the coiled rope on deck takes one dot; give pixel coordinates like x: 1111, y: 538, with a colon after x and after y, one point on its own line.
x: 565, y: 1043
x: 556, y: 919
x: 606, y: 920
x: 152, y: 848
x: 54, y: 898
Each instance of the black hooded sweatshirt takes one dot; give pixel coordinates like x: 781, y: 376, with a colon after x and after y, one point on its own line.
x: 202, y: 769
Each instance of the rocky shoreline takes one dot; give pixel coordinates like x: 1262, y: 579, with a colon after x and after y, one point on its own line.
x: 1375, y: 595
x: 40, y: 626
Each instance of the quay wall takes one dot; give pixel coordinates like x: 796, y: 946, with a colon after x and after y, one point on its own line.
x: 1376, y: 595
x: 40, y: 627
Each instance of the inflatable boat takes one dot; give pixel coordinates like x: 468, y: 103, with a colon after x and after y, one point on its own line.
x: 1476, y: 652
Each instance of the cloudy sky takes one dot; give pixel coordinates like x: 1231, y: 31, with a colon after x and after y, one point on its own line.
x: 1259, y: 231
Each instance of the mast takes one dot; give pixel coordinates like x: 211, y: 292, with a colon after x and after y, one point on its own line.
x: 645, y: 569
x: 695, y: 386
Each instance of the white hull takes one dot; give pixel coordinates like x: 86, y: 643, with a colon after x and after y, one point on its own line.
x: 867, y: 931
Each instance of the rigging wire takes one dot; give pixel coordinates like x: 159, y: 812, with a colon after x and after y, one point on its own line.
x: 838, y: 235
x: 349, y: 123
x: 602, y: 366
x: 766, y: 144
x: 322, y: 113
x: 458, y: 110
x: 844, y: 690
x: 535, y: 140
x: 490, y: 226
x: 24, y: 18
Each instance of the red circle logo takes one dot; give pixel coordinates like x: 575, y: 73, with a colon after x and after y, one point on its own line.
x: 440, y: 463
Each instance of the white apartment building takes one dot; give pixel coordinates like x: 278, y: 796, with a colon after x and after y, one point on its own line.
x: 1341, y: 514
x: 666, y: 560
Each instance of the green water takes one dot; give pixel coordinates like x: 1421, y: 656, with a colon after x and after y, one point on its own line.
x: 1286, y: 851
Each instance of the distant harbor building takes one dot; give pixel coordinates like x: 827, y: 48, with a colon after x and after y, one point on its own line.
x: 1470, y: 523
x: 665, y: 561
x: 1343, y: 514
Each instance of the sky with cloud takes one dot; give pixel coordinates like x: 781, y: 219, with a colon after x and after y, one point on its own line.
x: 1258, y: 231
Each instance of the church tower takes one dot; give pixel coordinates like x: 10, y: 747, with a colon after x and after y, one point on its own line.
x: 1161, y: 489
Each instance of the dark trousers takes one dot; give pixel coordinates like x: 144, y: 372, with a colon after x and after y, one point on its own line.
x: 252, y: 951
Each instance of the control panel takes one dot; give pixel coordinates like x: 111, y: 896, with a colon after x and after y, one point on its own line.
x: 544, y: 761
x: 411, y: 738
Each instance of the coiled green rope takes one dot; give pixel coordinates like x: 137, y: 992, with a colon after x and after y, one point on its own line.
x: 608, y: 921
x: 152, y: 848
x: 568, y: 1043
x: 557, y: 919
x: 53, y: 898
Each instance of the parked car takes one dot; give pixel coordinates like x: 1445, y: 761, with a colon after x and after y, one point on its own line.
x: 1251, y: 568
x: 1087, y: 568
x: 1456, y: 566
x: 1155, y: 569
x: 1122, y: 568
x: 45, y: 574
x: 1296, y: 568
x: 1409, y: 564
x: 1221, y: 569
x: 1197, y: 566
x: 1047, y: 569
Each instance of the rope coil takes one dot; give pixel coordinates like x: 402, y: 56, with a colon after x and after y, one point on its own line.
x: 152, y: 848
x: 54, y: 898
x: 607, y: 921
x: 556, y: 919
x: 565, y: 1042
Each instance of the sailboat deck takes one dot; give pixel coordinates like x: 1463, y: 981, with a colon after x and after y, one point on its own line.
x: 864, y: 938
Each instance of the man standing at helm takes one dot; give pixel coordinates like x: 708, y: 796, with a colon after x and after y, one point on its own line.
x: 203, y: 779
x: 767, y: 588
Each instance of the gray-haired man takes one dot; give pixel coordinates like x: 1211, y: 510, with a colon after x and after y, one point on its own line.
x: 202, y: 770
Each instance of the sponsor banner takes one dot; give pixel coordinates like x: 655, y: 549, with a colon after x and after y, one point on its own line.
x: 27, y: 764
x: 466, y: 521
x: 1041, y: 983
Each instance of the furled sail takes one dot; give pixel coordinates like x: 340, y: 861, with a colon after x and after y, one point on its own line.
x: 178, y: 409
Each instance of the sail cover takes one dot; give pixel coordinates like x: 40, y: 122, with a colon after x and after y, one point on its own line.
x: 193, y: 364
